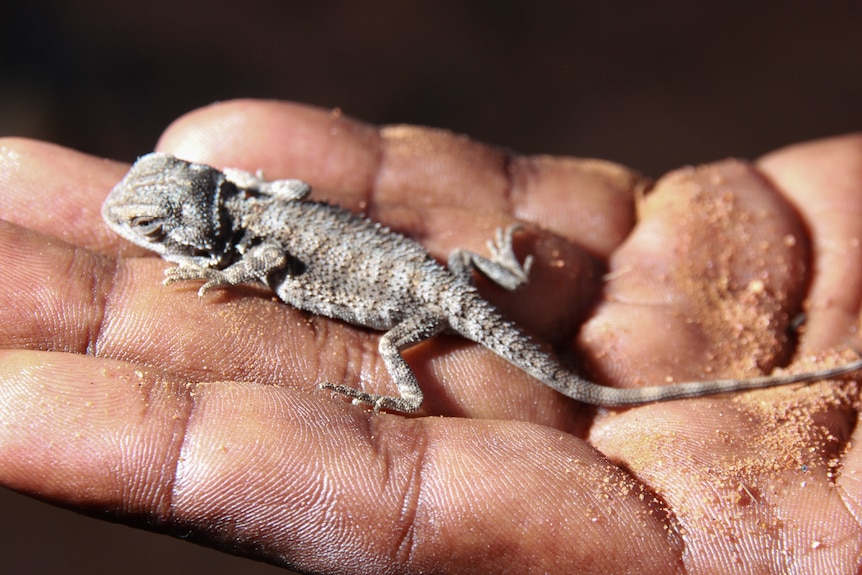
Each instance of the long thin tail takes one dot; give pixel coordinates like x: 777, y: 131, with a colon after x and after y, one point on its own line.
x: 486, y: 326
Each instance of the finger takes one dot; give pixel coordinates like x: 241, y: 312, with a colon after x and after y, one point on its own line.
x: 261, y: 471
x: 57, y: 192
x: 706, y: 284
x: 362, y: 168
x: 441, y: 189
x: 823, y: 179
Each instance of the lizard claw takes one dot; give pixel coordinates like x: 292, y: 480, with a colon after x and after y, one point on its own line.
x: 188, y: 272
x: 208, y: 286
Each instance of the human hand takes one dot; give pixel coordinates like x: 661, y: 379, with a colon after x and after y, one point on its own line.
x: 202, y: 418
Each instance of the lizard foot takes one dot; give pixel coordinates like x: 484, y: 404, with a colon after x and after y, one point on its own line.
x: 191, y: 272
x: 503, y: 255
x: 377, y: 402
x: 502, y: 268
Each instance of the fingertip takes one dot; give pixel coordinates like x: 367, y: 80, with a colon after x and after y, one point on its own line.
x: 285, y: 140
x: 88, y: 432
x: 823, y: 180
x: 711, y: 255
x: 847, y: 147
x: 590, y: 201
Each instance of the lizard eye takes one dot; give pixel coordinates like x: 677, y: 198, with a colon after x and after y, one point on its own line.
x: 149, y: 226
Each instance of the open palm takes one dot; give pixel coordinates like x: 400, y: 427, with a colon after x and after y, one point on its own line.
x: 203, y: 417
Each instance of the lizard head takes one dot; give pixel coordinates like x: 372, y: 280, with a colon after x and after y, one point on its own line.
x: 170, y: 206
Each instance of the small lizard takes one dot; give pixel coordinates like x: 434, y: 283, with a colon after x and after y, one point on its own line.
x: 230, y: 227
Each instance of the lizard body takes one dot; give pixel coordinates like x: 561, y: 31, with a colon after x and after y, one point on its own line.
x: 231, y: 227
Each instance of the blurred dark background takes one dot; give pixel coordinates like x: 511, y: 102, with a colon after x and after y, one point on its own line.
x: 651, y: 84
x: 654, y: 85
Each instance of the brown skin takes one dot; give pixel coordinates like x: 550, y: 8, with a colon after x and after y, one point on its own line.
x: 202, y: 418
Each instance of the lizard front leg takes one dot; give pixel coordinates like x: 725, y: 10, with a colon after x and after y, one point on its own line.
x: 254, y: 266
x: 406, y: 334
x: 288, y: 190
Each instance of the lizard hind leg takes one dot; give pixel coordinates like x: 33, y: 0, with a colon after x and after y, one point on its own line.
x: 503, y: 267
x: 406, y: 334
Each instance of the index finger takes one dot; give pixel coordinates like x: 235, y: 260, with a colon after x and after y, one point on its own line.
x: 363, y: 168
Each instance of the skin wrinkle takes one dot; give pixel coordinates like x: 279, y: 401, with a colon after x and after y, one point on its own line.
x: 405, y: 543
x: 655, y: 503
x: 72, y: 263
x: 206, y: 509
x: 371, y: 369
x: 103, y: 302
x: 506, y: 169
x: 844, y: 495
x: 369, y: 192
x: 65, y: 339
x: 181, y: 437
